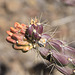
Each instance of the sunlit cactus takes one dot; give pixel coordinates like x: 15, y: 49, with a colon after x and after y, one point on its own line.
x: 26, y: 37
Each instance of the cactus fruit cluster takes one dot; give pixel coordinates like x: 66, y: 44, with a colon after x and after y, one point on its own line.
x: 26, y: 37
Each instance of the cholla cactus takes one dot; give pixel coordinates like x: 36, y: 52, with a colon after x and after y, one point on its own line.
x: 26, y: 37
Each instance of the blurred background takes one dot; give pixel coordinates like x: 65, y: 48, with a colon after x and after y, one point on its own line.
x: 58, y: 14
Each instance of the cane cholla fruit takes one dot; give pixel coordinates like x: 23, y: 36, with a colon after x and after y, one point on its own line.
x: 26, y: 37
x: 23, y: 35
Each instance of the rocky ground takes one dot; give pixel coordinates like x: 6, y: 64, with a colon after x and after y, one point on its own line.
x: 54, y: 12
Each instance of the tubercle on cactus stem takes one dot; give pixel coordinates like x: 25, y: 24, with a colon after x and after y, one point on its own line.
x: 26, y: 37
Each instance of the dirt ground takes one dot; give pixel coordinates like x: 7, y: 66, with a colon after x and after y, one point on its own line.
x: 54, y: 13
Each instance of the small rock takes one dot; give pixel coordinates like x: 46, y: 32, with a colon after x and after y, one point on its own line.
x: 2, y: 2
x: 13, y: 5
x: 3, y: 23
x: 2, y: 11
